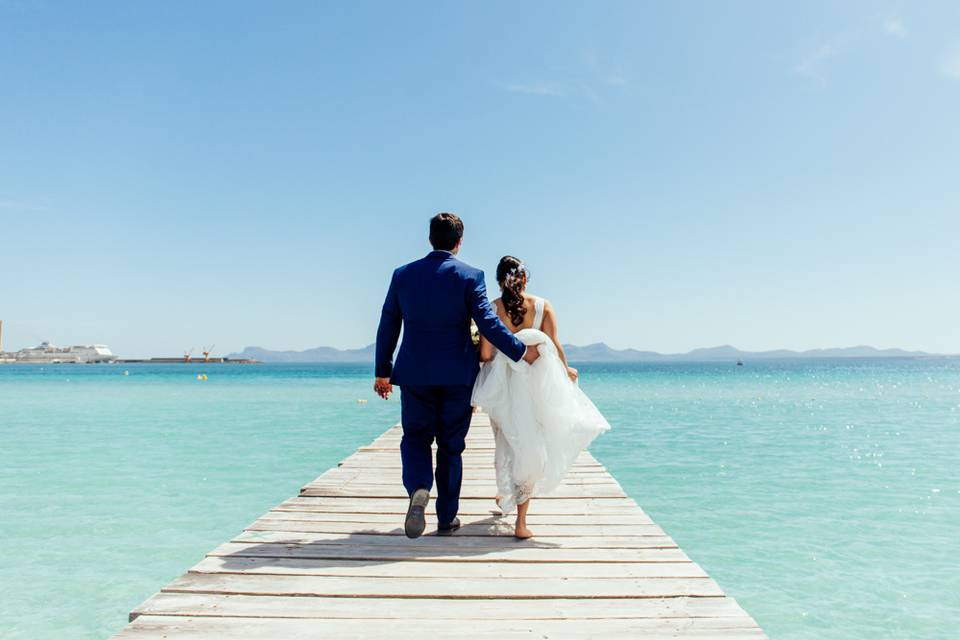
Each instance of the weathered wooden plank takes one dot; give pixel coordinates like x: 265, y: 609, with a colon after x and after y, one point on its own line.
x: 517, y: 553
x: 376, y: 467
x: 483, y: 486
x: 150, y: 627
x: 494, y: 529
x: 392, y: 465
x: 391, y: 470
x: 505, y: 570
x: 383, y: 491
x: 392, y: 461
x: 458, y: 542
x: 435, y: 587
x: 485, y: 477
x: 474, y: 441
x: 565, y: 520
x: 486, y: 508
x: 487, y: 483
x: 469, y: 454
x: 207, y: 604
x: 468, y: 506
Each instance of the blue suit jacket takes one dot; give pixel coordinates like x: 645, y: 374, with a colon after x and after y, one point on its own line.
x: 434, y: 300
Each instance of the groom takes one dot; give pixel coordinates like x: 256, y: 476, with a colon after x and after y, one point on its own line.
x: 434, y: 299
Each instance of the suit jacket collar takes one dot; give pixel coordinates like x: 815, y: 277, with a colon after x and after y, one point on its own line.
x: 440, y: 254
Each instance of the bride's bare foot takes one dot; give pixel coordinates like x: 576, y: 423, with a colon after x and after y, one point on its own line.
x: 521, y: 531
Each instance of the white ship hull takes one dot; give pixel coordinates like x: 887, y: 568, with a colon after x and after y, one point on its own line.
x: 47, y: 353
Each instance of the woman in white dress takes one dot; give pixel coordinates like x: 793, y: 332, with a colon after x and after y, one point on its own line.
x: 541, y: 419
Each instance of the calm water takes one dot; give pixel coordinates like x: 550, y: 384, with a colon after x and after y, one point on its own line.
x: 824, y: 496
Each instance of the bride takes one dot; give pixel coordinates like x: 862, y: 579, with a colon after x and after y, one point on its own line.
x: 540, y: 417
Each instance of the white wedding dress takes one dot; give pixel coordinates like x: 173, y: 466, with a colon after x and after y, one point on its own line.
x: 541, y: 419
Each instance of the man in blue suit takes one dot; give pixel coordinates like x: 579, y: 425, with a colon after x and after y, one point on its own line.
x: 434, y: 299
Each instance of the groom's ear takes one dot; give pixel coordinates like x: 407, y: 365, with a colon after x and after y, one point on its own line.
x: 456, y: 249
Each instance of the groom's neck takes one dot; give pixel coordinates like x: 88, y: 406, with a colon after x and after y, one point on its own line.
x: 454, y: 251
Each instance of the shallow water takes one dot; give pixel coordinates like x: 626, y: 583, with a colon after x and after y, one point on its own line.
x: 822, y: 495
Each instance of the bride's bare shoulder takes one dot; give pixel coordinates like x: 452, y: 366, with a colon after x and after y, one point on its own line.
x: 546, y: 303
x: 549, y: 315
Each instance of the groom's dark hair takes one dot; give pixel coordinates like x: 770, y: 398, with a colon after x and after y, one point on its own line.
x: 446, y: 230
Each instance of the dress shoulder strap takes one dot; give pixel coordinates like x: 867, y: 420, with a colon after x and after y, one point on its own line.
x: 537, y: 312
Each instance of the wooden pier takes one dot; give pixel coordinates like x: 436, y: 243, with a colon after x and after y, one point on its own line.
x: 334, y: 563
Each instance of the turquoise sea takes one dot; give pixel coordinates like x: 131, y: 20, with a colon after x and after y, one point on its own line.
x: 823, y: 495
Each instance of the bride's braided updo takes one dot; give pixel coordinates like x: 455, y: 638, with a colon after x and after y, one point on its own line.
x: 512, y: 277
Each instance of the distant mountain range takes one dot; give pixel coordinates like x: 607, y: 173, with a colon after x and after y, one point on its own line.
x: 600, y: 352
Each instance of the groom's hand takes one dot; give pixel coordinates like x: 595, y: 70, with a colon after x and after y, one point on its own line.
x: 383, y: 387
x: 531, y: 354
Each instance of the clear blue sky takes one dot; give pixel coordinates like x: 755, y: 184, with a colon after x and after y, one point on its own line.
x: 675, y: 175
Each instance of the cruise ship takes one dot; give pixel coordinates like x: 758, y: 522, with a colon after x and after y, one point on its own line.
x: 52, y: 354
x: 47, y: 353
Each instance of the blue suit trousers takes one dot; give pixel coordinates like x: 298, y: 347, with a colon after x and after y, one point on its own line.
x: 441, y: 413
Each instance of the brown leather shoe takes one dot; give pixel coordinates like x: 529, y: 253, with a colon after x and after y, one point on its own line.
x: 415, y: 523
